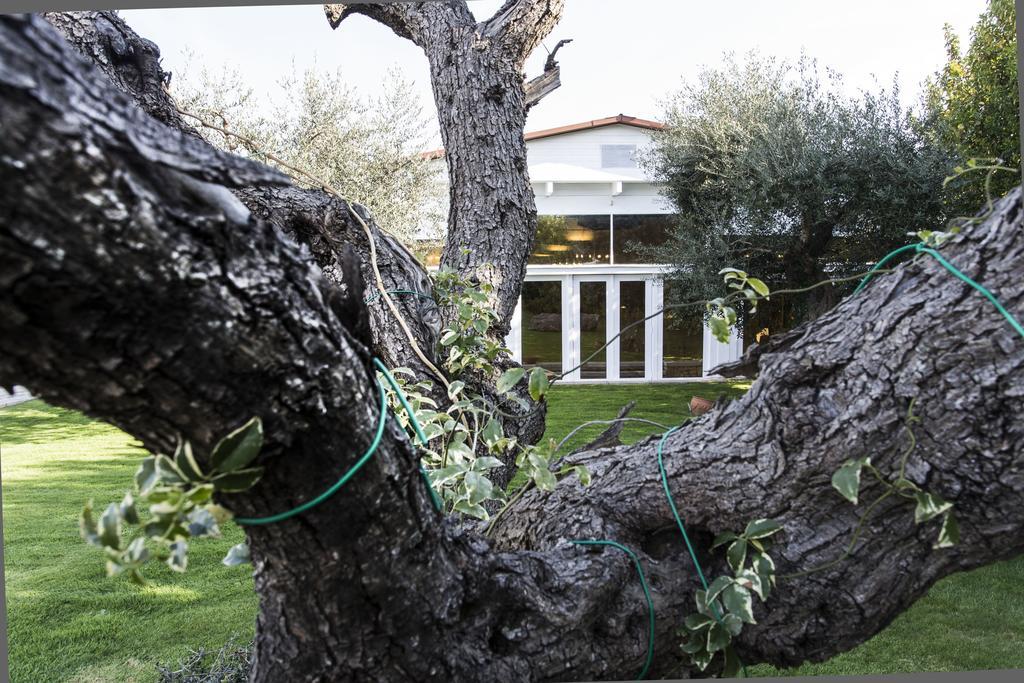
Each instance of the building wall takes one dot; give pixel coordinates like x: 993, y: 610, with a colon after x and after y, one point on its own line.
x: 576, y: 186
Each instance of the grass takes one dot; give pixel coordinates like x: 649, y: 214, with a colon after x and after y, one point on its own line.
x: 68, y: 622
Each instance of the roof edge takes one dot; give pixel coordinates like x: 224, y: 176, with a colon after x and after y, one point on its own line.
x: 620, y: 119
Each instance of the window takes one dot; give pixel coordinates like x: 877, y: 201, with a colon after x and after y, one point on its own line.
x: 618, y: 156
x: 542, y: 325
x: 572, y: 240
x: 643, y: 229
x: 683, y: 336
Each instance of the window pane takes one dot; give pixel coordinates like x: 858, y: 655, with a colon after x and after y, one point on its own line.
x: 542, y: 325
x: 683, y: 337
x: 593, y: 321
x: 572, y: 239
x: 631, y: 343
x: 618, y: 156
x: 649, y: 230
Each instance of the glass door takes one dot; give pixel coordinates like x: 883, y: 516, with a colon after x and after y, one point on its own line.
x: 633, y: 342
x: 592, y: 298
x: 542, y: 329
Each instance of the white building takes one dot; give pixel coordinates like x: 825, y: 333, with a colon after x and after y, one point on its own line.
x: 585, y: 280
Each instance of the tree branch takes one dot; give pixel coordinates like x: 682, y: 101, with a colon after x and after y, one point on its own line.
x: 520, y: 25
x: 540, y: 87
x: 415, y: 21
x: 134, y: 287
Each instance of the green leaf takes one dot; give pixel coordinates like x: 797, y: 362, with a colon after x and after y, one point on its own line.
x: 846, y: 479
x: 762, y: 528
x: 719, y: 329
x: 239, y: 480
x: 538, y: 383
x: 717, y: 586
x: 544, y: 479
x: 168, y: 472
x: 221, y: 514
x: 758, y: 286
x: 949, y: 534
x: 694, y: 644
x: 239, y: 448
x: 702, y: 605
x: 697, y: 622
x: 479, y: 487
x: 87, y: 526
x: 702, y: 659
x: 718, y: 638
x: 732, y: 667
x: 509, y: 379
x: 733, y: 624
x: 449, y: 337
x: 466, y: 508
x: 455, y: 387
x: 186, y: 462
x: 492, y: 432
x: 201, y: 523
x: 146, y: 477
x: 751, y: 580
x: 723, y: 538
x: 137, y: 552
x: 239, y: 554
x: 929, y: 506
x: 110, y: 527
x: 737, y: 554
x: 128, y: 511
x: 583, y: 474
x: 737, y: 600
x: 486, y: 462
x: 178, y: 559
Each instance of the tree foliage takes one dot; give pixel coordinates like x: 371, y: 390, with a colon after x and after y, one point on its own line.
x: 775, y: 171
x: 973, y: 104
x: 367, y: 149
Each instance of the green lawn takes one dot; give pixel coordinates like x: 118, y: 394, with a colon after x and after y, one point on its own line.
x: 67, y: 622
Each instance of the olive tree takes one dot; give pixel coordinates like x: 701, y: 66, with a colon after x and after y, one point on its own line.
x: 179, y: 292
x: 774, y: 170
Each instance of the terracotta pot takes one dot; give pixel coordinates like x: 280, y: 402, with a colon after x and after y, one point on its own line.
x: 699, y: 406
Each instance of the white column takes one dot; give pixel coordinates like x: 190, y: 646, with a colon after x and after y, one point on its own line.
x: 612, y: 353
x: 514, y: 340
x: 654, y: 329
x: 570, y: 326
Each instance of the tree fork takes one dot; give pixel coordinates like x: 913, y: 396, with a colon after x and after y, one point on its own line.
x: 135, y: 288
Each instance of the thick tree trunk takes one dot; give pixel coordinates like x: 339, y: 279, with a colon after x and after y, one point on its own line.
x: 135, y: 287
x: 476, y: 71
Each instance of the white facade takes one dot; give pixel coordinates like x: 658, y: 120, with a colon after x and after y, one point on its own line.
x: 588, y: 175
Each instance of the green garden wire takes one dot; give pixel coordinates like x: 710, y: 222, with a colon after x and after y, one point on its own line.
x: 921, y: 247
x: 415, y: 424
x: 287, y: 514
x: 682, y: 529
x: 647, y: 594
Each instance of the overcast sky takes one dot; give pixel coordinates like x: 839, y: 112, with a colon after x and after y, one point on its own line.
x: 626, y: 55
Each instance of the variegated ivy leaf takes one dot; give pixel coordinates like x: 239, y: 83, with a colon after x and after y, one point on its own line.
x: 239, y: 448
x: 846, y: 479
x: 737, y: 555
x: 737, y: 600
x: 949, y: 534
x: 239, y: 554
x: 929, y: 506
x: 761, y: 528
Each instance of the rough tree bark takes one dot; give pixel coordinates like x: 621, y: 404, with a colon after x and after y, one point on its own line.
x: 476, y: 71
x: 135, y: 287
